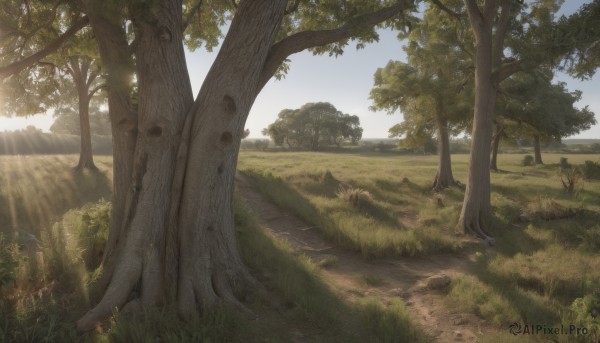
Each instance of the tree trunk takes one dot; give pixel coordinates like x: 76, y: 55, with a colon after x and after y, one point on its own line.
x: 118, y: 64
x: 86, y: 158
x: 443, y: 178
x: 476, y: 210
x: 537, y: 149
x: 495, y: 145
x: 178, y: 238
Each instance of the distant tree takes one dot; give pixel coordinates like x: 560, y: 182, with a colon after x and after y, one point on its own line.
x: 434, y: 90
x: 246, y: 133
x: 67, y: 122
x: 314, y: 125
x: 543, y: 111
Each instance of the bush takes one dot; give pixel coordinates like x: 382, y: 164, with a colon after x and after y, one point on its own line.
x: 564, y: 163
x: 591, y: 170
x: 572, y: 179
x: 527, y: 160
x: 9, y: 262
x: 355, y: 196
x: 91, y: 230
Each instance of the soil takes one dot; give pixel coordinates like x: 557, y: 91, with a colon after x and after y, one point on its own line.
x: 355, y: 277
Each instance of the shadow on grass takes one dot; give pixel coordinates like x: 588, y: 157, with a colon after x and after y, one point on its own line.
x: 530, y: 309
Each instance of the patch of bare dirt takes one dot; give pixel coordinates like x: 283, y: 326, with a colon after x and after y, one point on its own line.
x: 355, y: 277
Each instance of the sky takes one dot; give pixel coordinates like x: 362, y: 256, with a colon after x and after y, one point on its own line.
x: 344, y: 81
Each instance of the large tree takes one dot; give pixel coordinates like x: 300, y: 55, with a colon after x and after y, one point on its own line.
x: 66, y: 75
x: 508, y: 37
x: 314, y: 125
x: 541, y: 110
x: 172, y: 237
x: 433, y: 90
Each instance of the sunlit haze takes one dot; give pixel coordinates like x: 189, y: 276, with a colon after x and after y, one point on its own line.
x: 344, y: 81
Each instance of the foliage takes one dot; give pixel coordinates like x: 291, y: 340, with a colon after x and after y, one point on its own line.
x: 564, y: 163
x: 67, y: 122
x: 90, y: 227
x: 527, y: 160
x: 571, y: 179
x: 591, y: 170
x: 313, y: 126
x: 435, y: 87
x: 9, y: 262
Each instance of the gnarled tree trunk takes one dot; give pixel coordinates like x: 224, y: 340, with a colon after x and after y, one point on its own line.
x: 537, y: 150
x: 177, y: 241
x: 443, y: 178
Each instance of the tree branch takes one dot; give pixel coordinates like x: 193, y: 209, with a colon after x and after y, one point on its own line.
x: 93, y: 76
x: 191, y: 14
x: 505, y: 71
x: 95, y: 89
x: 444, y: 8
x: 475, y: 14
x: 16, y: 67
x: 308, y: 39
x: 489, y: 10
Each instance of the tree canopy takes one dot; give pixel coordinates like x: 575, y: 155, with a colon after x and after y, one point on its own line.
x: 313, y: 126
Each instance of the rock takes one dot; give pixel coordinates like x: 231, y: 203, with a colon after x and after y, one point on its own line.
x: 405, y: 295
x: 439, y: 281
x: 459, y: 321
x: 397, y: 292
x: 458, y: 335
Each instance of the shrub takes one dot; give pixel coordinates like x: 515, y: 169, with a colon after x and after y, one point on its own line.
x: 9, y: 262
x: 572, y: 179
x: 547, y: 209
x: 354, y: 195
x: 91, y: 229
x: 527, y: 160
x: 591, y: 170
x: 564, y: 163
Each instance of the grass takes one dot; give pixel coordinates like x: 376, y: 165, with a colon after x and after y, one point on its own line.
x: 297, y: 302
x: 546, y: 258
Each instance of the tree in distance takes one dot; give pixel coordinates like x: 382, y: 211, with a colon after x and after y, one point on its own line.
x: 67, y: 122
x: 67, y: 76
x: 531, y: 106
x: 313, y: 126
x: 434, y: 90
x: 172, y: 235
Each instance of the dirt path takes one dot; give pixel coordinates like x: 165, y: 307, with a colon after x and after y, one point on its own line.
x: 356, y: 277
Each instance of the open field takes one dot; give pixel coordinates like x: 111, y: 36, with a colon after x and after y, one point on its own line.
x: 536, y: 272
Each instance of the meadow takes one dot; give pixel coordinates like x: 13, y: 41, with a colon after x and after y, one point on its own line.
x: 544, y: 268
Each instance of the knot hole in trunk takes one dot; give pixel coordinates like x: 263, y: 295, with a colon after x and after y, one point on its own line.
x: 154, y: 132
x: 229, y: 105
x: 226, y: 138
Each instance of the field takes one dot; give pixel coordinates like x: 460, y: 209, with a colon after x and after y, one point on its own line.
x: 374, y: 211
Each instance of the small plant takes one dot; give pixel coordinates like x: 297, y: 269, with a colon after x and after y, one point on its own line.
x: 591, y: 170
x: 564, y: 163
x: 546, y: 209
x: 527, y: 160
x: 9, y: 263
x: 328, y: 261
x: 354, y: 195
x: 372, y: 280
x: 571, y: 179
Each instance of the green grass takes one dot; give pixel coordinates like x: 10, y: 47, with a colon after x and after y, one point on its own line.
x: 296, y: 301
x: 546, y: 257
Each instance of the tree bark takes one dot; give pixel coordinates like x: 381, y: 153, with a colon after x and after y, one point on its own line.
x: 178, y: 235
x: 443, y: 178
x: 537, y: 150
x: 476, y: 211
x: 495, y: 145
x: 118, y: 64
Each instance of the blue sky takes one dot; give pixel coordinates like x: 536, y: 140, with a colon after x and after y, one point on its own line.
x: 344, y: 81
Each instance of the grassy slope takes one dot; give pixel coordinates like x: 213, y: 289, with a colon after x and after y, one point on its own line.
x: 52, y: 288
x: 533, y: 275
